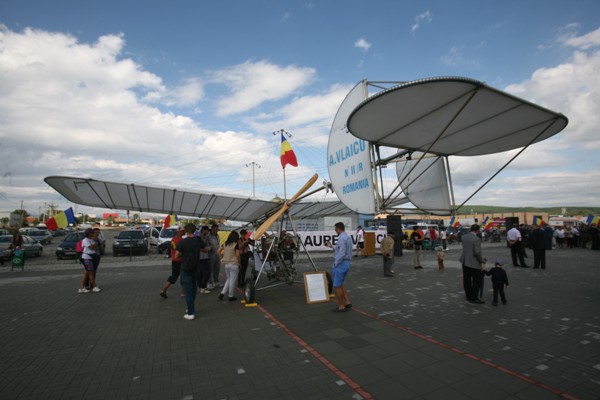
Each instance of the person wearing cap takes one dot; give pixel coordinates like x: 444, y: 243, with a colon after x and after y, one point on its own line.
x: 499, y: 279
x: 89, y: 245
x: 387, y: 251
x: 472, y: 260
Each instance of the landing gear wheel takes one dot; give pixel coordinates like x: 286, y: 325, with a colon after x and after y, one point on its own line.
x: 329, y: 282
x: 249, y: 291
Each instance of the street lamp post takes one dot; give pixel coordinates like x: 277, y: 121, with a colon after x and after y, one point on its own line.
x: 253, y: 164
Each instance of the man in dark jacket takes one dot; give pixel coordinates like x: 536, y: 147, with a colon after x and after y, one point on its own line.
x: 537, y: 241
x: 472, y: 261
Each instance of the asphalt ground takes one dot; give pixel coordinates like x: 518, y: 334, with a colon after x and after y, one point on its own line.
x: 408, y: 337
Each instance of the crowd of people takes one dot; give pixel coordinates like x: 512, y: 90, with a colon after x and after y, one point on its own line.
x: 197, y: 257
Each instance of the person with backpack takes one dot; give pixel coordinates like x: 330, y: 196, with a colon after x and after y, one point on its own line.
x: 89, y: 245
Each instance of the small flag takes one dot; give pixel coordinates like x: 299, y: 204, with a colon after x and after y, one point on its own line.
x: 537, y: 220
x: 589, y: 219
x: 287, y: 154
x: 487, y: 224
x: 170, y: 220
x: 61, y: 220
x: 454, y: 222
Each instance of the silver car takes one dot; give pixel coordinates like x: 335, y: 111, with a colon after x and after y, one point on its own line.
x: 32, y: 247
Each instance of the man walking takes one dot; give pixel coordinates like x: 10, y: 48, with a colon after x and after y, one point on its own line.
x: 189, y: 251
x: 341, y: 265
x: 472, y: 262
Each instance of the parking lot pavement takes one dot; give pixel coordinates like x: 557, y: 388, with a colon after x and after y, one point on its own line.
x: 407, y: 337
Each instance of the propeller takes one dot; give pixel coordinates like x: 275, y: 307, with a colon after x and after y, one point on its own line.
x: 273, y: 218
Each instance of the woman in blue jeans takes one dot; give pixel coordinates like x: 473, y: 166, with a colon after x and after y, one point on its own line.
x: 230, y: 258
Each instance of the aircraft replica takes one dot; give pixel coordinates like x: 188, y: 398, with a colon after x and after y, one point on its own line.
x: 423, y: 123
x: 415, y: 125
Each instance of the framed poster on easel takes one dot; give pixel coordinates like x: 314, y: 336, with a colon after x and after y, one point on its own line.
x: 315, y: 284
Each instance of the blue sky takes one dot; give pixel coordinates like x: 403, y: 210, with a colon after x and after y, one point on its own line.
x: 183, y: 94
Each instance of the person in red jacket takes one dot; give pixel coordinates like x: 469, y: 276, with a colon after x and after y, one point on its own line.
x: 175, y: 266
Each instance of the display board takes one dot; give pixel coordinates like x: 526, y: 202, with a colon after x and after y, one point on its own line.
x: 315, y: 284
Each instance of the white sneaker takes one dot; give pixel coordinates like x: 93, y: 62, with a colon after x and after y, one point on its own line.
x: 204, y: 291
x: 189, y: 317
x: 96, y: 289
x: 83, y: 291
x: 210, y: 286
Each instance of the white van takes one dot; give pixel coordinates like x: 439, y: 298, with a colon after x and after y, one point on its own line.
x: 165, y: 235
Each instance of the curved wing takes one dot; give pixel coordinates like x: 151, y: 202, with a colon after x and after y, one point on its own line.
x: 452, y: 116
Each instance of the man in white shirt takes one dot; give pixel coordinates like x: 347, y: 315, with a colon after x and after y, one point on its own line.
x: 514, y: 239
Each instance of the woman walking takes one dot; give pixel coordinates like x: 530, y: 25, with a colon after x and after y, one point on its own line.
x: 230, y: 258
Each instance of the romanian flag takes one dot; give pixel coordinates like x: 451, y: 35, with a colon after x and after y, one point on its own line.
x: 287, y: 154
x: 170, y: 220
x: 537, y: 220
x: 589, y: 219
x: 487, y: 224
x: 61, y: 220
x: 454, y: 222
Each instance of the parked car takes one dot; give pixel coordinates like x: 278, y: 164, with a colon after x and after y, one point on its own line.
x: 165, y: 236
x: 129, y: 242
x: 41, y: 235
x: 32, y: 247
x: 66, y: 248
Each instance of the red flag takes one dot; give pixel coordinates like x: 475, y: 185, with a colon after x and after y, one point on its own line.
x: 287, y: 154
x: 51, y: 224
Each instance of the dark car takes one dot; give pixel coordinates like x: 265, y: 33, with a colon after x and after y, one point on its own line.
x: 32, y: 247
x: 130, y: 242
x: 66, y: 248
x: 41, y: 235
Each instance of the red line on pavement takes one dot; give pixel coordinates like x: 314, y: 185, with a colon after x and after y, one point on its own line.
x: 354, y: 385
x: 471, y: 356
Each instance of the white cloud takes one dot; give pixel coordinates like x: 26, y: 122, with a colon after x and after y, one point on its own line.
x: 585, y: 42
x: 284, y: 17
x: 427, y: 16
x: 71, y: 108
x: 572, y: 88
x: 363, y: 45
x: 253, y: 83
x: 304, y: 111
x: 188, y: 93
x: 455, y: 58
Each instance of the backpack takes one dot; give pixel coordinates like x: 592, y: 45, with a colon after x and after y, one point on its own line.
x: 79, y: 246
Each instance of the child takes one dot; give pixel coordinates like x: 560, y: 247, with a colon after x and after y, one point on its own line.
x: 441, y: 256
x: 499, y: 279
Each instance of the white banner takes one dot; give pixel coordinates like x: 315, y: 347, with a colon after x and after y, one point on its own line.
x: 315, y: 240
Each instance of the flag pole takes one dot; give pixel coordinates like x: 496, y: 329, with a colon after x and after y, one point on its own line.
x: 284, y: 187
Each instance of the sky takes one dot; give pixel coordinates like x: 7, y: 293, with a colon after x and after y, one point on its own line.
x: 187, y: 94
